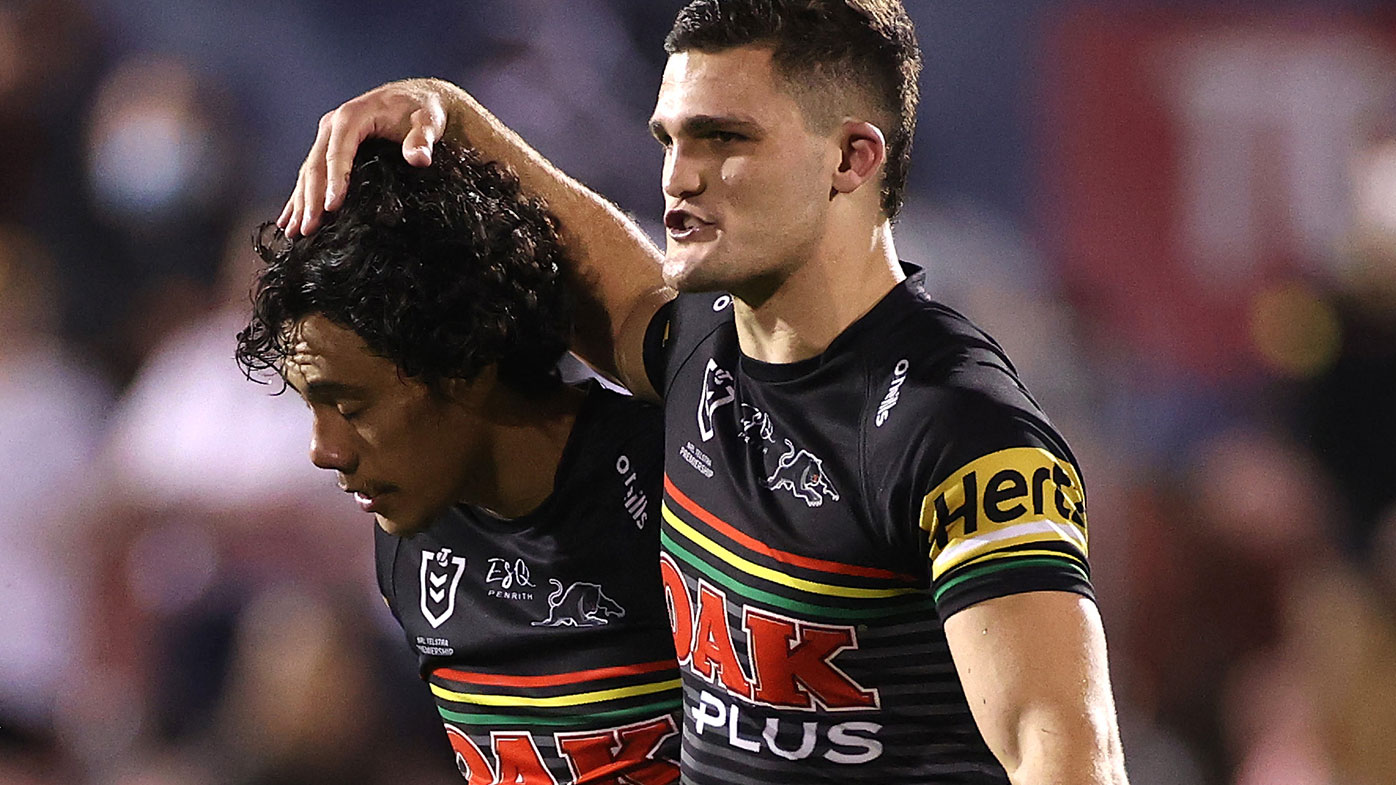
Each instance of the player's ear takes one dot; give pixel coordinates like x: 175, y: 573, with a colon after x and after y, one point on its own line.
x: 863, y: 152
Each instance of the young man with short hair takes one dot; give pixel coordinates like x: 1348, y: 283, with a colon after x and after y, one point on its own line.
x: 874, y: 548
x: 517, y: 515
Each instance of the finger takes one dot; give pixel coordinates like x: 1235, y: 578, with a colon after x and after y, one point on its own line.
x: 293, y: 223
x: 341, y: 147
x: 285, y: 217
x: 426, y: 129
x: 312, y: 177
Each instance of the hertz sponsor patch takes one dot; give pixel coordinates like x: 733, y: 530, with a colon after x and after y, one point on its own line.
x: 1003, y: 504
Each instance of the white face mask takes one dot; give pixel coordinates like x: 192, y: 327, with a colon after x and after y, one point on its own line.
x: 149, y: 167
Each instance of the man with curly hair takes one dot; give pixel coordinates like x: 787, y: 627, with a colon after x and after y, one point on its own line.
x: 874, y: 547
x: 517, y: 519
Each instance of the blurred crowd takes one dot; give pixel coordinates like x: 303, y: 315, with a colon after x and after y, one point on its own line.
x: 184, y: 601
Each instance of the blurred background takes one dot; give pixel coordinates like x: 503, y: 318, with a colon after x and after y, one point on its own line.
x: 1179, y: 217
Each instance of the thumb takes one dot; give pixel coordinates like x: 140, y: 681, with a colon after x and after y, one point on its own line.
x: 417, y: 145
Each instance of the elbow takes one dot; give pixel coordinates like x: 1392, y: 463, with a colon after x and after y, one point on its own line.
x: 1082, y: 749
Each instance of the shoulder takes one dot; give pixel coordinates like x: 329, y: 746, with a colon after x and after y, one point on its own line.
x: 678, y: 329
x: 949, y: 405
x: 385, y: 552
x: 620, y: 419
x: 935, y: 373
x: 617, y: 438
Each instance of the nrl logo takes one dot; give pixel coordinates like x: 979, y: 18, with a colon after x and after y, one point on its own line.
x: 718, y: 391
x: 801, y: 473
x: 438, y: 569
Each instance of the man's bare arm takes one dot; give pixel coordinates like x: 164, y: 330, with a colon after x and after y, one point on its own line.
x: 1034, y: 671
x: 616, y: 267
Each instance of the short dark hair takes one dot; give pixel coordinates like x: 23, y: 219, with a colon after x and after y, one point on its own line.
x: 444, y: 270
x: 864, y: 45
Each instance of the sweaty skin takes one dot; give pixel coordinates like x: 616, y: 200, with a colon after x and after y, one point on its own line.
x: 788, y: 219
x: 407, y: 452
x: 614, y: 264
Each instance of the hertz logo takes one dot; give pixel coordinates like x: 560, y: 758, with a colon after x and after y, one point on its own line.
x: 1011, y: 497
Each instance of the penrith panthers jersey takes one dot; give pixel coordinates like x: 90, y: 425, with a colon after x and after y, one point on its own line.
x: 544, y: 639
x: 821, y: 520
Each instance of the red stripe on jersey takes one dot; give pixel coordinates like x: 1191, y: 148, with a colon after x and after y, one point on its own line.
x: 808, y: 562
x: 555, y: 679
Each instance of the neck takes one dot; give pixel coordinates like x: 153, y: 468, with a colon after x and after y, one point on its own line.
x: 806, y: 310
x: 526, y: 446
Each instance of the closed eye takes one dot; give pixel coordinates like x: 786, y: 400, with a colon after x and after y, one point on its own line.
x: 349, y: 411
x: 727, y: 137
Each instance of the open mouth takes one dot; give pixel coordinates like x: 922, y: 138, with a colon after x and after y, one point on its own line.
x: 684, y: 226
x: 368, y: 498
x: 366, y: 503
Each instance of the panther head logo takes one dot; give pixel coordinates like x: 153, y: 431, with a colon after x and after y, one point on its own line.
x: 580, y: 605
x: 801, y: 473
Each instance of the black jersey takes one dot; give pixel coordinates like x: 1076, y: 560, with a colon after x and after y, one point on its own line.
x: 544, y: 639
x: 821, y: 520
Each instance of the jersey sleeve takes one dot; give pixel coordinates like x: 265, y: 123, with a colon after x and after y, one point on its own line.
x: 677, y: 329
x: 385, y: 547
x: 656, y: 344
x: 1001, y: 501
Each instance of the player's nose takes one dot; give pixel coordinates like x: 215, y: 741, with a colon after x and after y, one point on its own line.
x: 682, y: 174
x: 330, y: 447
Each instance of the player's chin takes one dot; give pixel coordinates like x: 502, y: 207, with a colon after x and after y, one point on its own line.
x: 399, y: 525
x: 691, y: 269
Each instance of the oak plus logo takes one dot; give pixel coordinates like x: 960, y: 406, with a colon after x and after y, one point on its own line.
x: 641, y: 753
x: 894, y: 391
x: 440, y: 575
x: 718, y: 390
x: 785, y: 663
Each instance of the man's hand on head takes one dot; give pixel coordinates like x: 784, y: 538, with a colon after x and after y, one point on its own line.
x: 412, y: 112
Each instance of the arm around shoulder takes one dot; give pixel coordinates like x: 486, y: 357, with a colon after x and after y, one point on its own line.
x: 1034, y: 671
x: 615, y: 266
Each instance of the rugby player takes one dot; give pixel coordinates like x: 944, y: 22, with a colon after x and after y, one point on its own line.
x: 874, y: 543
x: 517, y: 516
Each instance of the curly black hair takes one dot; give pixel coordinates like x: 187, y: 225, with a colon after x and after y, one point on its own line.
x: 443, y: 269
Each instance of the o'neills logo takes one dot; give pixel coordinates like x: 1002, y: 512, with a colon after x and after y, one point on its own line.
x: 1010, y: 497
x: 894, y: 391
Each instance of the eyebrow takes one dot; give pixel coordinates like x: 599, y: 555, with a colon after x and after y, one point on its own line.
x: 328, y: 391
x: 699, y: 125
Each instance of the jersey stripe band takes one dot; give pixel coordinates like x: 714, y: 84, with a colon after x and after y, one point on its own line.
x: 575, y: 699
x: 819, y: 565
x: 552, y: 680
x: 775, y: 576
x: 918, y: 604
x: 588, y: 718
